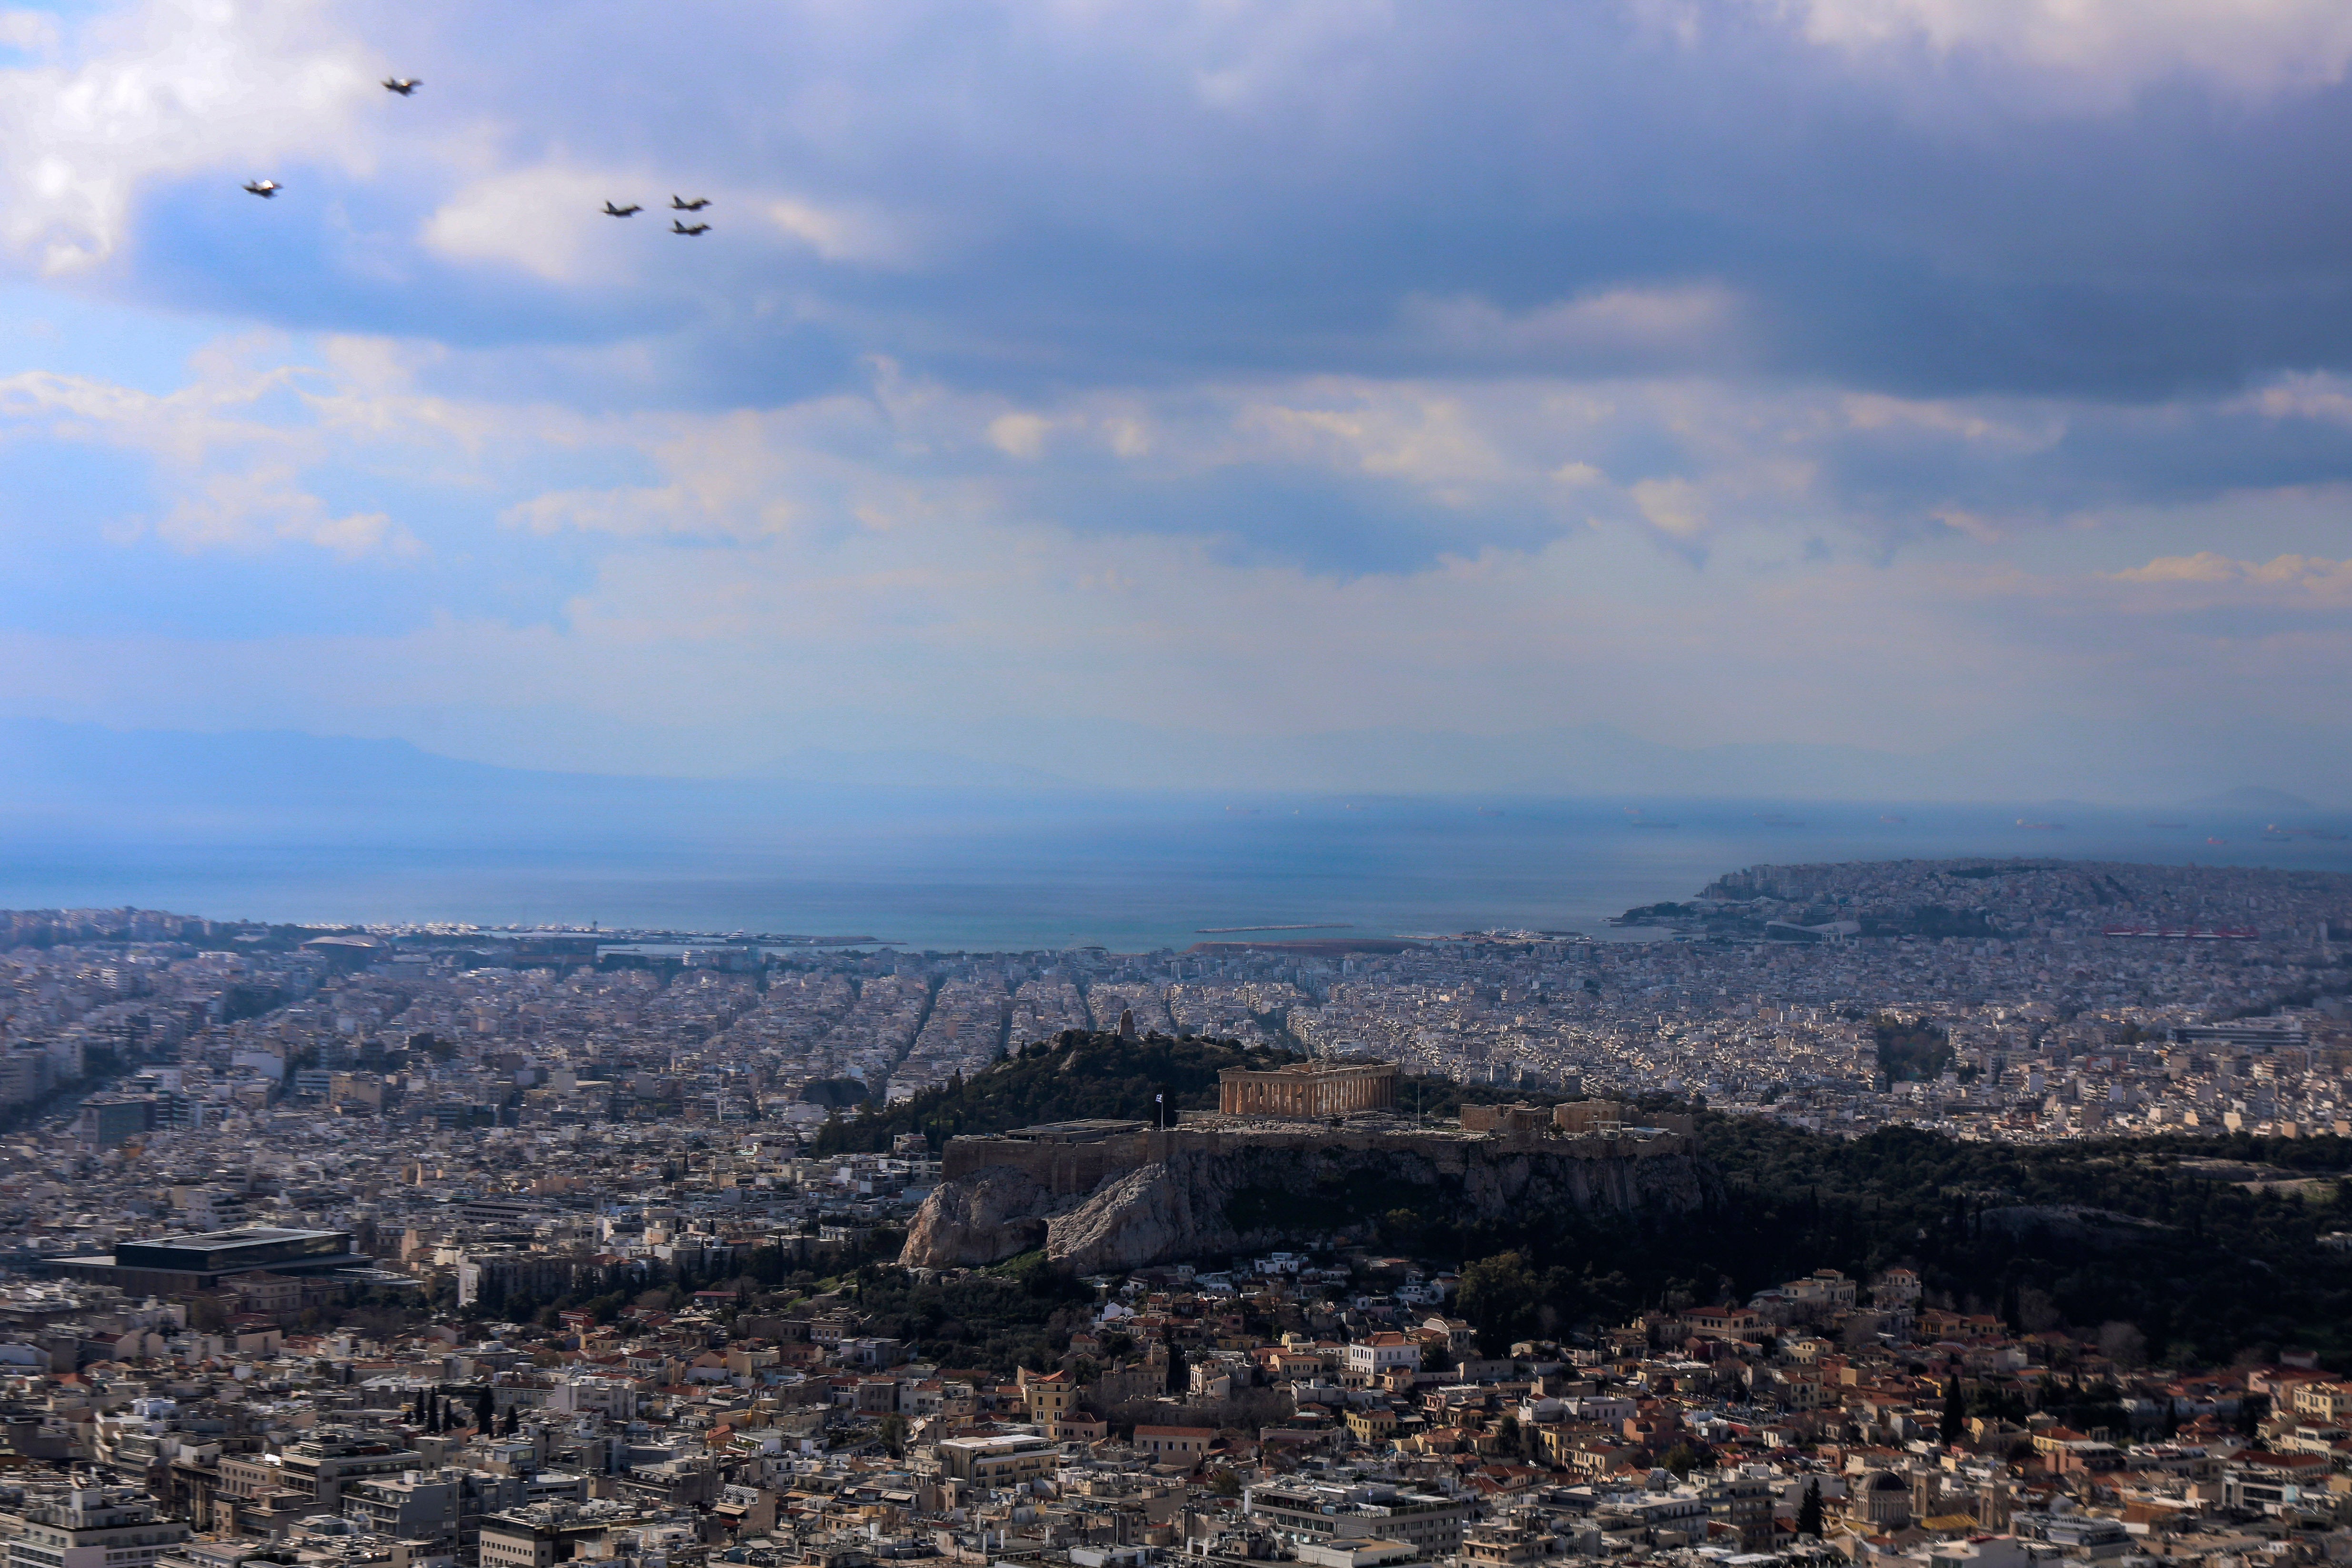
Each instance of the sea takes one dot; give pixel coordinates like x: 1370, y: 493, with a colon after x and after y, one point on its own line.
x: 993, y: 871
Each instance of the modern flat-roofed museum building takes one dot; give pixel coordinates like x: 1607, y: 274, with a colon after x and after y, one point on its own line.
x: 177, y: 1265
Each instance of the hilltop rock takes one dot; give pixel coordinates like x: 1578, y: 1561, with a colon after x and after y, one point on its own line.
x: 983, y: 1218
x: 1136, y: 1219
x: 1208, y: 1196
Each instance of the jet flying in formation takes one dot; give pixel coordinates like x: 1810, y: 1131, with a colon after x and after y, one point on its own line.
x: 405, y: 86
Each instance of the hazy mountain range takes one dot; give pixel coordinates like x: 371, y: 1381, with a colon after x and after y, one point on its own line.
x: 147, y: 782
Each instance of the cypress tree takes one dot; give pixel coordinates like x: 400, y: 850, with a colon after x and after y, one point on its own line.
x: 1808, y: 1511
x: 1955, y: 1413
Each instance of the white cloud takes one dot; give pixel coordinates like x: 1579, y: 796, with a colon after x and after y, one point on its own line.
x: 548, y: 220
x: 1428, y: 437
x: 234, y: 480
x: 2007, y: 431
x: 2303, y: 396
x: 844, y: 234
x: 30, y: 31
x: 1674, y: 507
x: 164, y: 89
x: 263, y: 504
x: 2287, y: 579
x: 1019, y: 435
x: 2251, y: 48
x: 1614, y: 328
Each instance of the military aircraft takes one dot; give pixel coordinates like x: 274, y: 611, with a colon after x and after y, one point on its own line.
x: 265, y: 189
x: 676, y: 228
x: 683, y: 205
x: 613, y: 212
x: 404, y: 86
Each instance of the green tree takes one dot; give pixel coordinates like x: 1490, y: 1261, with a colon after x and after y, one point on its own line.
x: 1808, y: 1511
x: 1499, y: 1295
x: 1955, y: 1413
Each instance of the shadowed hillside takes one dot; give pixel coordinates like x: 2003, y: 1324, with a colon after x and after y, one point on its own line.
x: 1078, y: 1074
x: 1072, y: 1075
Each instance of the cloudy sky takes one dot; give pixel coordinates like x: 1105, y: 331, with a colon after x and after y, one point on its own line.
x: 1349, y: 390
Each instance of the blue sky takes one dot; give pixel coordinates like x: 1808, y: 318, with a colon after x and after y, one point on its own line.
x: 1065, y: 384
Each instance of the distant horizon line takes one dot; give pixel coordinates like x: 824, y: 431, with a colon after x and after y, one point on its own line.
x: 74, y: 753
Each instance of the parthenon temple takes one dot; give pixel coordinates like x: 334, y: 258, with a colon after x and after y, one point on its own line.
x: 1308, y: 1089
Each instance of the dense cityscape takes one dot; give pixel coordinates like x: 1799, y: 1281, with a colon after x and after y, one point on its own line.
x: 456, y: 1247
x: 2047, y: 999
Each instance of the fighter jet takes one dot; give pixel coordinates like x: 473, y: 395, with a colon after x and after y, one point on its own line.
x: 404, y: 86
x: 683, y: 205
x: 613, y: 212
x: 265, y: 189
x: 676, y: 228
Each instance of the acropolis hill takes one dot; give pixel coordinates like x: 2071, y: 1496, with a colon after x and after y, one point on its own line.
x: 1311, y: 1148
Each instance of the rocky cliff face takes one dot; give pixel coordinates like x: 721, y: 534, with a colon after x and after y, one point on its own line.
x: 982, y: 1219
x: 1198, y: 1202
